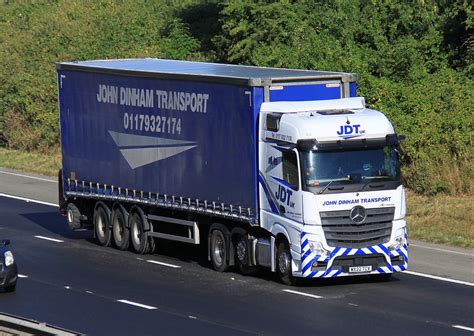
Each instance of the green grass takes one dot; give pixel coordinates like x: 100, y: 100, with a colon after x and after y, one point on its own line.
x: 436, y: 219
x: 45, y: 164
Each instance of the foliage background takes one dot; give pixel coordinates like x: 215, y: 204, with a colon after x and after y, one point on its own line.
x: 415, y: 60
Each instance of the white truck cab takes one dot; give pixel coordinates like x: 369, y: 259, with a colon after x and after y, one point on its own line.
x: 330, y: 188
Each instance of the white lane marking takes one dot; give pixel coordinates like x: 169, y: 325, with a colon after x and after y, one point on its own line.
x: 67, y: 287
x: 28, y: 200
x: 136, y: 304
x: 163, y: 264
x: 192, y: 317
x: 443, y: 250
x: 89, y: 292
x: 463, y: 327
x: 440, y: 278
x: 22, y: 276
x: 303, y: 294
x: 28, y: 176
x: 50, y: 239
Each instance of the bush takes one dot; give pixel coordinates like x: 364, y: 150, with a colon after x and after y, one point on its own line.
x: 414, y: 59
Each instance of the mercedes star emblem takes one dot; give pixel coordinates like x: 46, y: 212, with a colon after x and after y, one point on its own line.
x: 358, y: 214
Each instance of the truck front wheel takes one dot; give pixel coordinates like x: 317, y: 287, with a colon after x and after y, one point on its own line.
x: 283, y: 264
x: 219, y: 251
x: 119, y: 229
x: 101, y: 226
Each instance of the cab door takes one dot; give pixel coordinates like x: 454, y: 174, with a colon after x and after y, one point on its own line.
x: 281, y: 179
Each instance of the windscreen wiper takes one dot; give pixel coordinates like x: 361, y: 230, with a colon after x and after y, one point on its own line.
x: 368, y: 182
x: 330, y: 182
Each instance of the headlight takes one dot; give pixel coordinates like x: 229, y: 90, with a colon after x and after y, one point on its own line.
x: 9, y: 258
x: 400, y: 239
x: 317, y: 247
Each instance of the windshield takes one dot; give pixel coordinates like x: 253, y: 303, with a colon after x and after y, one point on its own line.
x: 350, y: 166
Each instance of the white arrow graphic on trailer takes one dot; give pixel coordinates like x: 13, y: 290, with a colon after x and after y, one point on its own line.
x: 140, y: 150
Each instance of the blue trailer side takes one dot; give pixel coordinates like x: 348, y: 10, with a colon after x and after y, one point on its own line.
x: 161, y: 144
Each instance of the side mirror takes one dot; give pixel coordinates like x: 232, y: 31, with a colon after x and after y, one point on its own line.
x: 5, y: 242
x: 401, y: 137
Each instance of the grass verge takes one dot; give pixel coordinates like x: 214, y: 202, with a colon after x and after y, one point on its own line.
x: 45, y: 164
x: 441, y: 219
x: 436, y: 219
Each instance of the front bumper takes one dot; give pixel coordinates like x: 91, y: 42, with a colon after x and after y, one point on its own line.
x: 379, y: 257
x: 8, y: 275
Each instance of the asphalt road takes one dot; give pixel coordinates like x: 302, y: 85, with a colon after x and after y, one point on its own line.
x: 75, y: 284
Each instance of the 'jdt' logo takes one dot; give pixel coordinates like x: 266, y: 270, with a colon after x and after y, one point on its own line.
x: 284, y: 195
x: 349, y: 131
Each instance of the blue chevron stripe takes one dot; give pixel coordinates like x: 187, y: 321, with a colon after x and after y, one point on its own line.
x: 346, y: 252
x: 385, y: 249
x: 307, y: 267
x: 303, y: 244
x: 333, y: 253
x: 371, y: 249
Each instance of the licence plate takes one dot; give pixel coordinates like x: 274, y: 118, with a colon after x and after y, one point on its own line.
x: 360, y: 269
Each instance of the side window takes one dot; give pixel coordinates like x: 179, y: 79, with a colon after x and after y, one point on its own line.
x: 290, y: 169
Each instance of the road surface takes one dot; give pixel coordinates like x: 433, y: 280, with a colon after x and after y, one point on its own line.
x: 69, y: 281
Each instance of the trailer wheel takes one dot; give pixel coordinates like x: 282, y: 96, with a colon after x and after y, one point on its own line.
x: 242, y: 256
x: 219, y: 251
x: 101, y: 226
x: 141, y: 241
x: 73, y: 216
x: 283, y: 264
x: 120, y: 230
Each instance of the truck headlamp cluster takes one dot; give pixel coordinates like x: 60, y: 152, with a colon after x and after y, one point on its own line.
x: 9, y: 258
x: 317, y: 247
x: 400, y: 239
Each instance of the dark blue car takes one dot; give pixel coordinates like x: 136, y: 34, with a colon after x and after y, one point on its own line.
x: 8, y: 268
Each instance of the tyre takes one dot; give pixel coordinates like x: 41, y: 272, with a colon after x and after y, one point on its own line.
x: 242, y: 255
x: 120, y: 231
x: 101, y: 226
x: 141, y: 241
x: 73, y: 216
x: 283, y: 264
x: 219, y: 251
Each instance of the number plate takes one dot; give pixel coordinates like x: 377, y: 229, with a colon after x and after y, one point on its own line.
x: 360, y: 269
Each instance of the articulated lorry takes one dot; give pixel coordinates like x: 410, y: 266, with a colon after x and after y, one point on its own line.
x: 277, y: 168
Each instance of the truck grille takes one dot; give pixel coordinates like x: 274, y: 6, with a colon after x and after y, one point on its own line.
x: 340, y: 231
